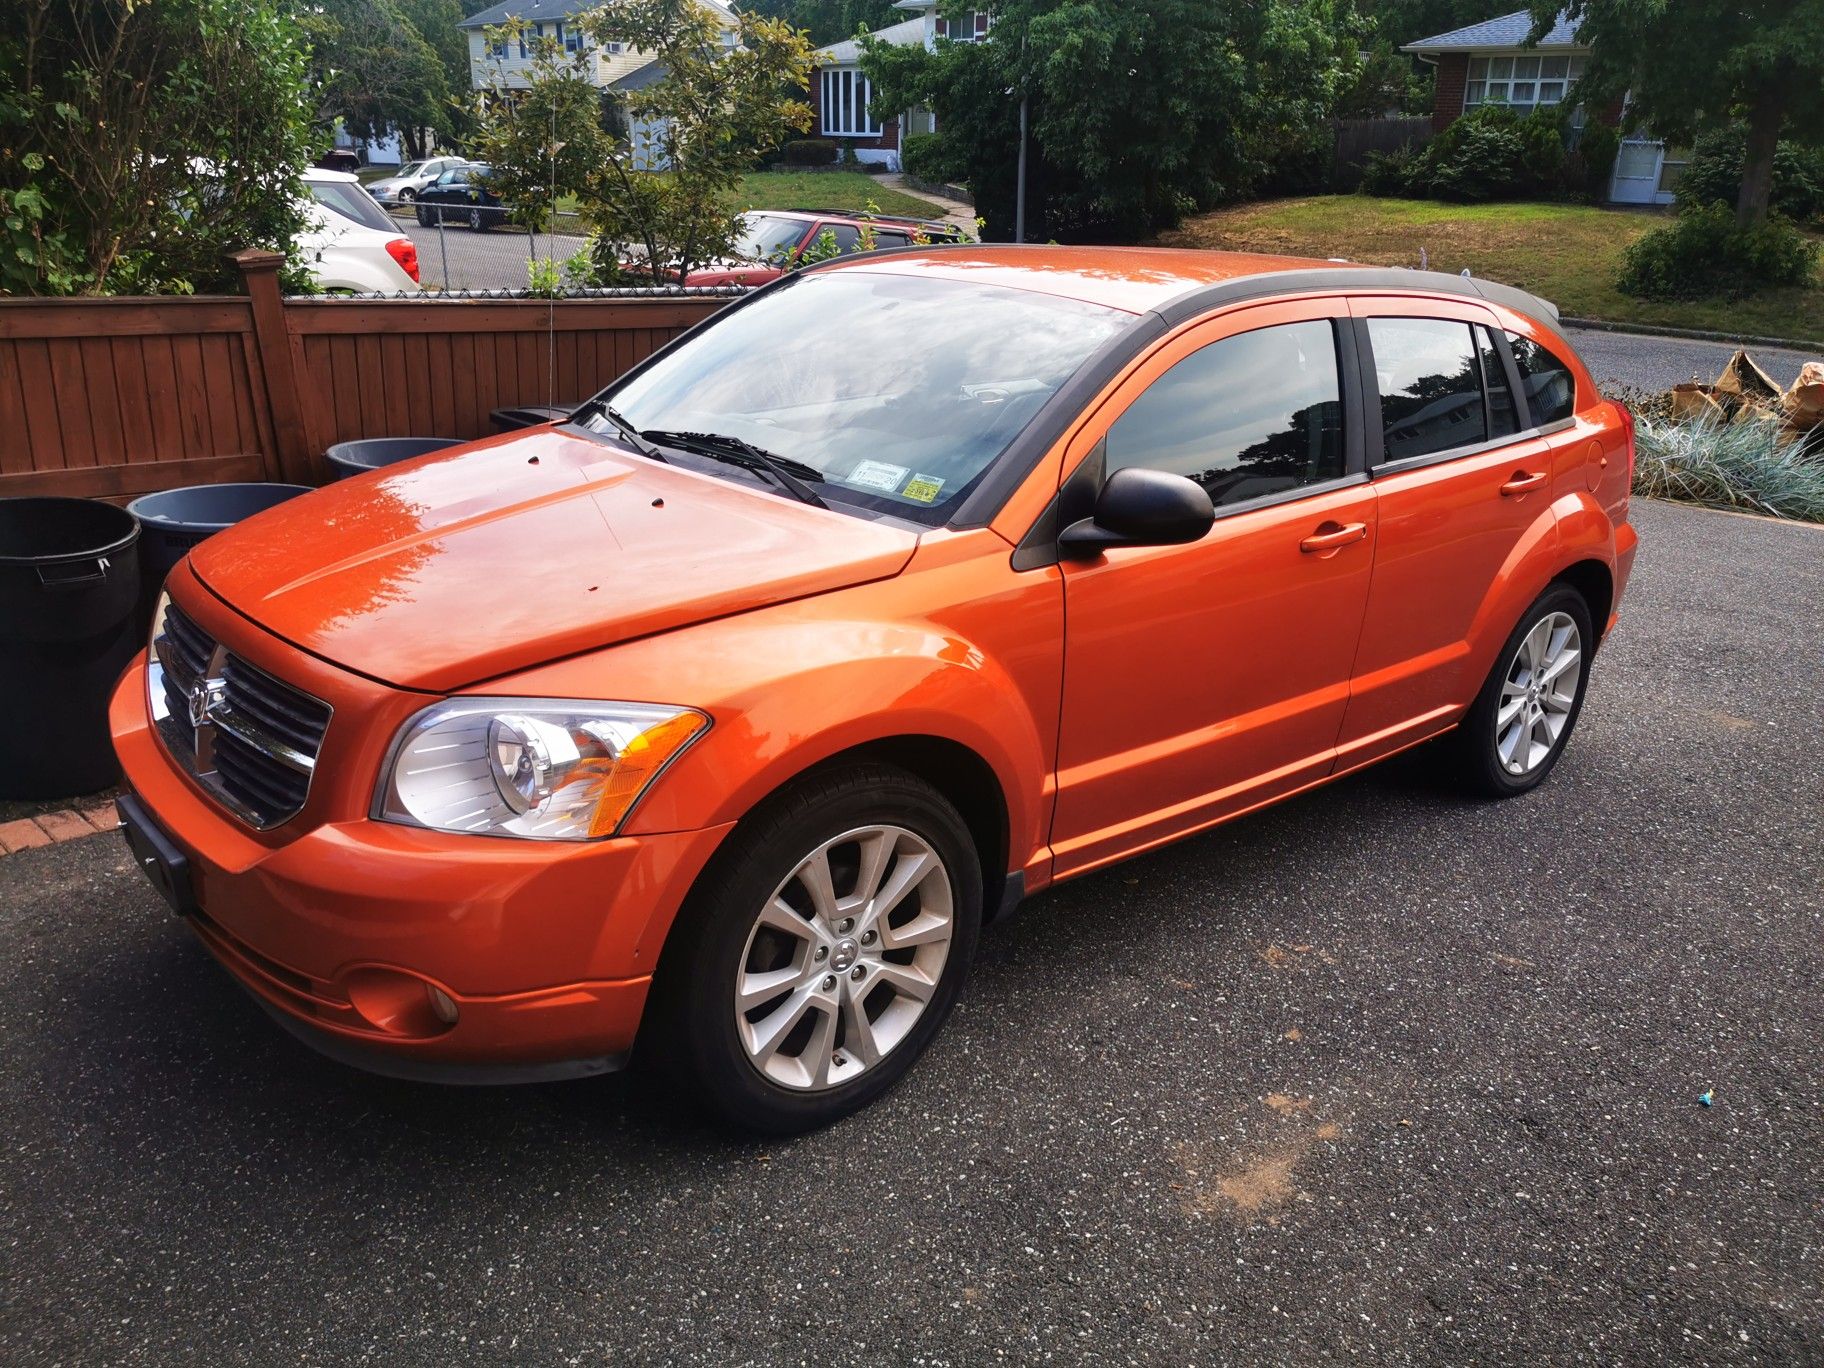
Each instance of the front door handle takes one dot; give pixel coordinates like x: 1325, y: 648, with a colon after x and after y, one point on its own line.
x: 1330, y: 535
x: 1521, y: 482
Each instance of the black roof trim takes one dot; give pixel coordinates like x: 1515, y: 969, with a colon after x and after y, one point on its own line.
x: 1313, y: 280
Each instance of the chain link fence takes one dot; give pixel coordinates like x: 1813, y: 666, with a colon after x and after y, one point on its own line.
x: 453, y: 256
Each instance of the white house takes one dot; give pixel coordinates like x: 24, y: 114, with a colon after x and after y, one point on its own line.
x: 840, y: 94
x: 507, y: 62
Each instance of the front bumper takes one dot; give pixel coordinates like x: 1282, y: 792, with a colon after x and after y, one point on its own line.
x: 542, y: 952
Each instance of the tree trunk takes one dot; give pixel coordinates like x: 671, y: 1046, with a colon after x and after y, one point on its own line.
x: 1764, y: 121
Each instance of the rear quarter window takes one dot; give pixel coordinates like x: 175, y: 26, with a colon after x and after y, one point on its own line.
x: 1551, y: 393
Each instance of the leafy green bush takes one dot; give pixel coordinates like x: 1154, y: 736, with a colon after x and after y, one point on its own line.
x: 1389, y: 173
x: 926, y: 157
x: 808, y: 152
x: 1482, y: 156
x: 1730, y: 465
x: 1704, y: 253
x: 1715, y: 175
x: 1492, y: 153
x: 1593, y: 161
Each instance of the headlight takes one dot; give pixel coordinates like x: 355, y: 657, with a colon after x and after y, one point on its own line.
x: 554, y: 770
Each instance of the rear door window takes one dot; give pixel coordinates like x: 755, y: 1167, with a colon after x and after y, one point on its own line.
x: 1431, y: 386
x: 1551, y: 394
x: 1254, y: 414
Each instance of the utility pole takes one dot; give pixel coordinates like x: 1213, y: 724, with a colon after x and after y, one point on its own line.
x: 1019, y: 194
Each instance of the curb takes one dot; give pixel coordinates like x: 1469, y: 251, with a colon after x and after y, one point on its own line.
x: 53, y: 828
x: 1693, y: 334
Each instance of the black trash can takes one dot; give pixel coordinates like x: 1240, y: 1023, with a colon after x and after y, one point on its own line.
x: 69, y: 584
x: 371, y: 453
x: 174, y: 520
x: 529, y: 415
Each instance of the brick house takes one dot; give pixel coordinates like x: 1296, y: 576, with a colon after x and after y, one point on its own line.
x: 1492, y: 63
x: 841, y: 94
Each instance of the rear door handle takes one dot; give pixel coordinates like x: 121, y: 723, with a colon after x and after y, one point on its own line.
x: 1520, y: 482
x: 1331, y: 535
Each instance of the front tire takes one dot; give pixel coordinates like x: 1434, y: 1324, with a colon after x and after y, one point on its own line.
x: 407, y: 196
x: 478, y: 223
x: 1523, y: 718
x: 821, y: 952
x: 424, y: 217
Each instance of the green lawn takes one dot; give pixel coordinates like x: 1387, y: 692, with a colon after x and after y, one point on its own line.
x: 1568, y: 253
x: 848, y: 191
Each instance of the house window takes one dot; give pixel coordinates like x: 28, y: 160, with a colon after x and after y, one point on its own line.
x: 497, y: 47
x: 972, y: 27
x: 1523, y: 83
x: 846, y: 95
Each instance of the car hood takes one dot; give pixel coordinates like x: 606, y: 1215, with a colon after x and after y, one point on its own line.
x: 469, y: 564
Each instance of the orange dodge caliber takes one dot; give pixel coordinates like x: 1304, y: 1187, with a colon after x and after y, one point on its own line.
x: 719, y: 718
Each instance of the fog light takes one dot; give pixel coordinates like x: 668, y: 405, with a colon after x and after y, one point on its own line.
x: 441, y: 1005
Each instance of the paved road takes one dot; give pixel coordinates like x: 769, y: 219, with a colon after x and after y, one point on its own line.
x: 1378, y: 1073
x: 494, y: 260
x: 1658, y: 363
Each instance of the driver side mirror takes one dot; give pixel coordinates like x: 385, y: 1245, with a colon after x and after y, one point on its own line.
x: 1139, y: 507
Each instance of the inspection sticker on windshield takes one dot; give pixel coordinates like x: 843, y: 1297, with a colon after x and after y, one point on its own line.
x: 924, y: 488
x: 877, y: 475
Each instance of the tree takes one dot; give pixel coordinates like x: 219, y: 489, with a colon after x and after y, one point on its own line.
x: 548, y: 138
x: 1700, y: 64
x: 830, y: 21
x: 140, y: 142
x: 373, y: 70
x: 1138, y: 113
x: 718, y: 107
x: 437, y: 23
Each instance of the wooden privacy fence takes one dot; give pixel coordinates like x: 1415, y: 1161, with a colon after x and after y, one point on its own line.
x: 112, y: 398
x: 1356, y: 138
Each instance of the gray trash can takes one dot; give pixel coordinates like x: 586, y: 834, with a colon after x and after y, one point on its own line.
x: 371, y: 453
x: 174, y: 520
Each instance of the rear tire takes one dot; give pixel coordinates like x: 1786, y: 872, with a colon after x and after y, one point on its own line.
x: 1523, y: 718
x: 820, y: 952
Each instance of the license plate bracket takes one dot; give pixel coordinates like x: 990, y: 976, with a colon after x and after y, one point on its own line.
x: 157, y: 855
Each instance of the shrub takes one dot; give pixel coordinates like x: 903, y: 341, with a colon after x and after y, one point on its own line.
x: 1389, y: 173
x: 1733, y: 465
x: 808, y: 152
x: 926, y: 157
x: 1703, y: 253
x: 1482, y: 156
x: 1593, y: 163
x: 1715, y: 175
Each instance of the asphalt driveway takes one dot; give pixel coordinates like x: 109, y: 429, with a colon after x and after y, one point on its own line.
x: 1378, y: 1073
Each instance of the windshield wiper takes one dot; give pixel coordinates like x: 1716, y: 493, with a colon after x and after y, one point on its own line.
x: 621, y: 425
x: 790, y: 475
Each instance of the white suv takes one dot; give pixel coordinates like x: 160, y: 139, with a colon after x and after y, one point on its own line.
x: 403, y: 185
x: 349, y: 241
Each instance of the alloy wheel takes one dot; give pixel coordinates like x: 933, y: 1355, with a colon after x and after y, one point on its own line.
x: 844, y: 958
x: 1538, y: 693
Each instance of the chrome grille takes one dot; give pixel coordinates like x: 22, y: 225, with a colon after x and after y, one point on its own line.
x: 248, y: 737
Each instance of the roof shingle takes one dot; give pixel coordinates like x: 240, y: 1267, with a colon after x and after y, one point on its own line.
x: 1504, y: 31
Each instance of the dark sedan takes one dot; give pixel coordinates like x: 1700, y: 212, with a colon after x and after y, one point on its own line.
x: 461, y: 195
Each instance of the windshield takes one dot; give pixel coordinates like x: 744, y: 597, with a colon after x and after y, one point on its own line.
x: 351, y: 202
x: 899, y: 391
x: 764, y: 236
x: 409, y: 169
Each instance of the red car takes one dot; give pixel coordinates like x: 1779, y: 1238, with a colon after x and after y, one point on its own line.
x: 772, y: 240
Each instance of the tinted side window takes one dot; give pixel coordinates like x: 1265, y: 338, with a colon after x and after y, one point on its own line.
x: 1253, y: 414
x: 1503, y: 421
x: 1551, y: 394
x: 1431, y: 387
x: 847, y: 235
